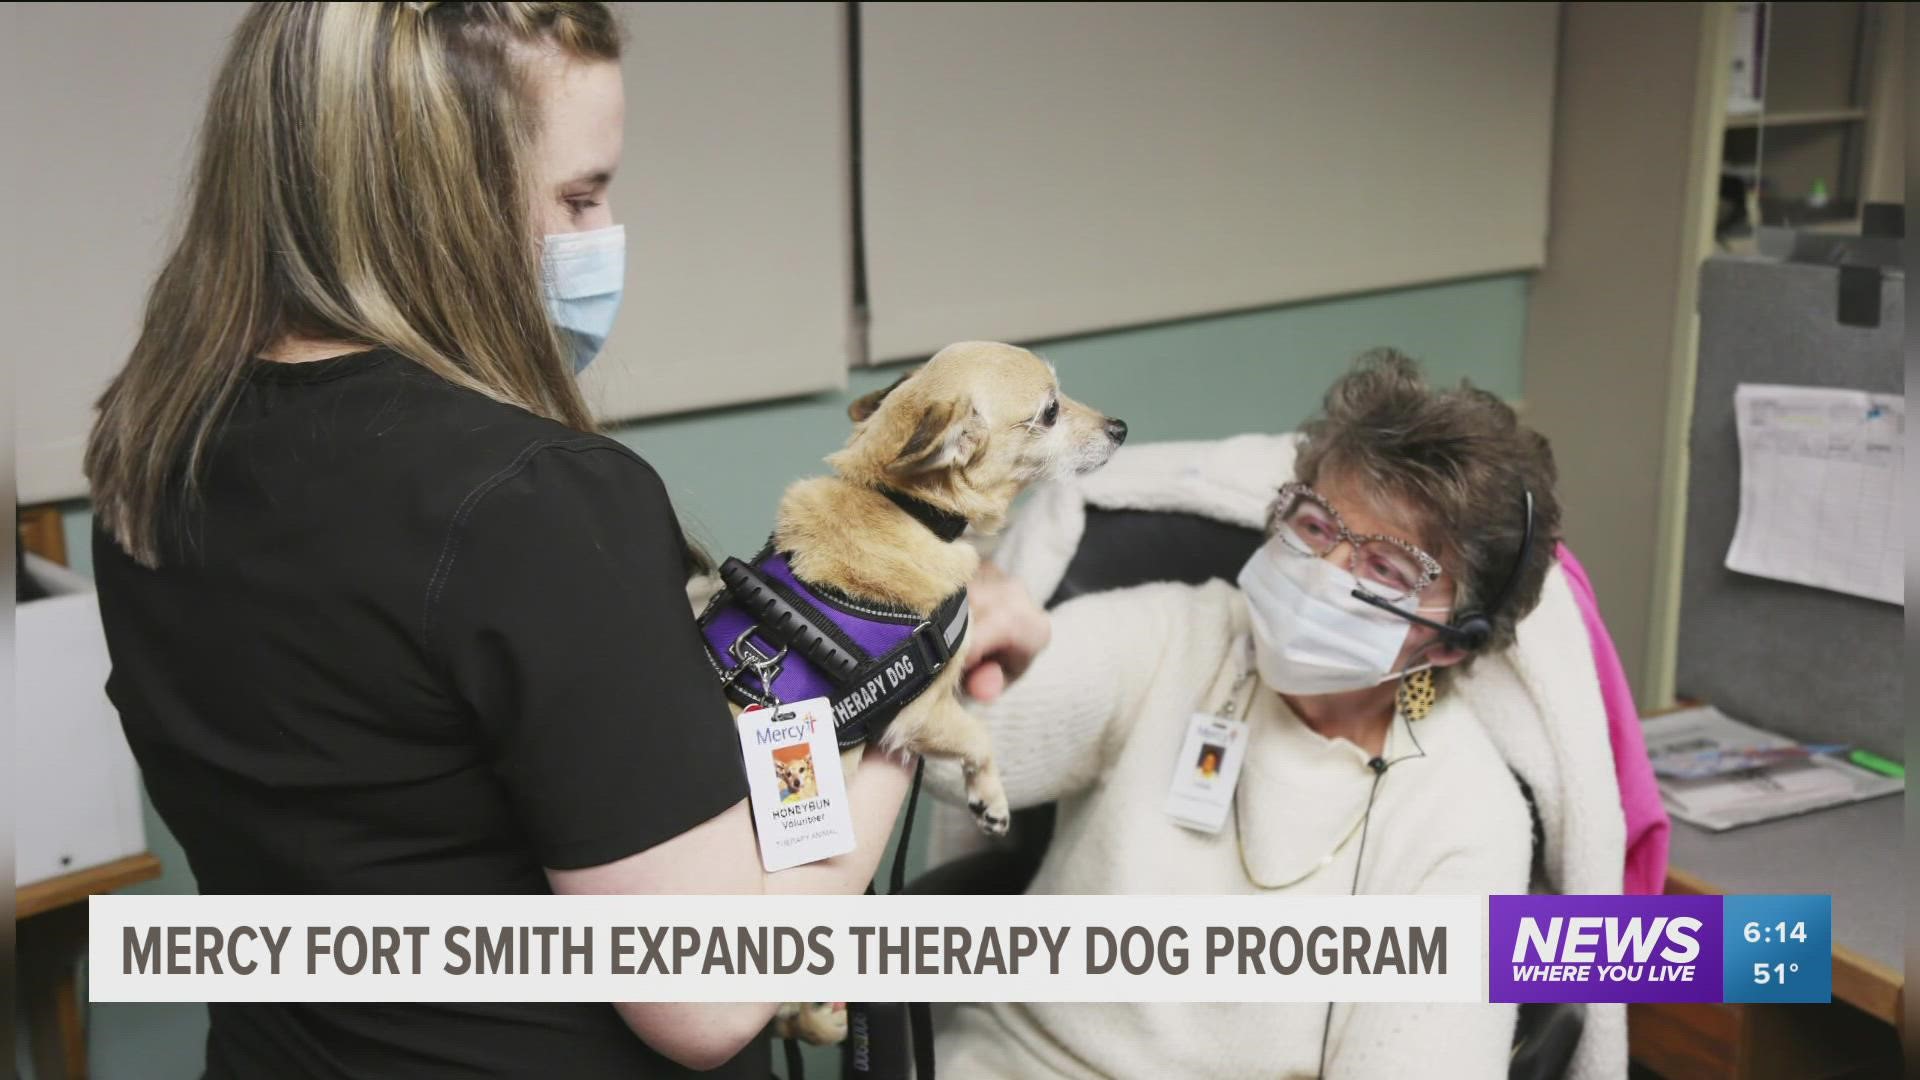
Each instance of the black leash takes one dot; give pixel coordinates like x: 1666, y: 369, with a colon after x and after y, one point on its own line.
x: 920, y: 1018
x: 863, y: 1019
x: 919, y: 1013
x: 796, y: 1068
x: 897, y: 884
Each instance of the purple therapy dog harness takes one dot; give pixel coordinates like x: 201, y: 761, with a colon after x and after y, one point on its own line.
x: 773, y: 638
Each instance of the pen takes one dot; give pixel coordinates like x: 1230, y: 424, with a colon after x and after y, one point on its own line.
x: 1884, y: 766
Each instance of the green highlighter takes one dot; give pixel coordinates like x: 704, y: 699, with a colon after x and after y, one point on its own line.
x: 1885, y: 767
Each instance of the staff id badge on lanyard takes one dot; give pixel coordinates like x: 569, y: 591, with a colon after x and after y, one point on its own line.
x: 1209, y: 764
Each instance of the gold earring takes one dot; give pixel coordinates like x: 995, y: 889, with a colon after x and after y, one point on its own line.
x: 1415, y: 694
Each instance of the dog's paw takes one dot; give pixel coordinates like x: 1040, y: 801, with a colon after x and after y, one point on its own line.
x: 987, y: 799
x: 827, y: 1026
x: 821, y: 1023
x: 994, y: 824
x: 992, y: 820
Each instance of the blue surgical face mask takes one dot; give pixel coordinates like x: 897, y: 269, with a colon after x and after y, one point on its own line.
x: 583, y: 273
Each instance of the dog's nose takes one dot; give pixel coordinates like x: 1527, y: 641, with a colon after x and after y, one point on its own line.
x: 1117, y: 431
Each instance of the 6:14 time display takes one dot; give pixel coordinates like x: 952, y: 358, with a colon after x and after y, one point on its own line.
x: 1756, y: 932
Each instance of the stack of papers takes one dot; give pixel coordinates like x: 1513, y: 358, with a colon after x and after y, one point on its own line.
x: 1682, y: 744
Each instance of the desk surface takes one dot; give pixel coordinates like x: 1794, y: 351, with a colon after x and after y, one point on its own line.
x: 1853, y: 853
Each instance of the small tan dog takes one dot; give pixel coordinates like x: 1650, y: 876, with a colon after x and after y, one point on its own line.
x: 965, y: 433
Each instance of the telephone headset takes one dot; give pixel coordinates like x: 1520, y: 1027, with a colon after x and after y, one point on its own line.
x: 1470, y: 630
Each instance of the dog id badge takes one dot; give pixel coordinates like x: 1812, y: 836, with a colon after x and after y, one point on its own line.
x: 1206, y: 771
x: 799, y: 795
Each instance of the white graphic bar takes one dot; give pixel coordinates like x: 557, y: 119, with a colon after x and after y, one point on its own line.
x: 734, y: 948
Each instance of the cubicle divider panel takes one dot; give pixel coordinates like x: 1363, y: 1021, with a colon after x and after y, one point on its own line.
x: 1817, y: 665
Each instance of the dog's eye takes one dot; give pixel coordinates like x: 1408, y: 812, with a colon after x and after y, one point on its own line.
x: 1052, y: 414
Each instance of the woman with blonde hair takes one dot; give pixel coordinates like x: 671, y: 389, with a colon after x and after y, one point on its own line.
x: 386, y: 613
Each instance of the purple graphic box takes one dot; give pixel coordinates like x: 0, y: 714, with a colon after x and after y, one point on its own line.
x: 1604, y: 948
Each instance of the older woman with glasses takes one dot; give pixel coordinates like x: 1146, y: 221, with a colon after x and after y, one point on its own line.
x: 1419, y: 528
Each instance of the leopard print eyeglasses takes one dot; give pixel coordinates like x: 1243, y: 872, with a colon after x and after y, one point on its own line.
x: 1386, y: 566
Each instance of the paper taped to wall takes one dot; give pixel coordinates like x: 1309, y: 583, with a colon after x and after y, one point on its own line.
x: 1820, y: 484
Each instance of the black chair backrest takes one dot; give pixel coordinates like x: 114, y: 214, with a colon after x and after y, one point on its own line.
x: 25, y: 586
x: 1121, y: 548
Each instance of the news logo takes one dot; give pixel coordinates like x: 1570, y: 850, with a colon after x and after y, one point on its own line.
x: 1660, y: 948
x: 1605, y: 948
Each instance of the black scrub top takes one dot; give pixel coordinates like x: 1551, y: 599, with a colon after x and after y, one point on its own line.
x: 412, y: 640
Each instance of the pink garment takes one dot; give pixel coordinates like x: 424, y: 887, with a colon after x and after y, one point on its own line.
x: 1648, y: 828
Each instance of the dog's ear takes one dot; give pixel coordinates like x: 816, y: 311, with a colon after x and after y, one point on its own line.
x: 945, y: 434
x: 864, y: 405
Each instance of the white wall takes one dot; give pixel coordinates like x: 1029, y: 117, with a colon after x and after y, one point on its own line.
x: 1033, y: 170
x: 1029, y: 171
x: 109, y: 97
x: 734, y: 192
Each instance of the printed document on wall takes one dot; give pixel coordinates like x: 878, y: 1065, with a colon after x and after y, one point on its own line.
x: 1820, y: 488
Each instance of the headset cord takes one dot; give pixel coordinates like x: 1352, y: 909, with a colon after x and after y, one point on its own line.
x: 1379, y: 766
x: 1379, y: 773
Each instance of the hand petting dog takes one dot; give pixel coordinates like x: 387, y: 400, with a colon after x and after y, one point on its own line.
x: 1009, y: 629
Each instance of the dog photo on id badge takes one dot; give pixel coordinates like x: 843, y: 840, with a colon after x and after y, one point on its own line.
x: 793, y: 765
x: 1205, y: 772
x: 799, y: 794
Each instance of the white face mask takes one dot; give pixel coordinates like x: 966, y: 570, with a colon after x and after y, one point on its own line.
x: 1310, y: 636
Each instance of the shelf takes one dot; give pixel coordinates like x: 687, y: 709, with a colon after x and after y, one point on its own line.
x: 1794, y: 213
x: 1800, y: 118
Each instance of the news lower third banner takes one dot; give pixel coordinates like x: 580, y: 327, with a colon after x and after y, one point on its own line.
x: 1775, y: 948
x: 958, y: 948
